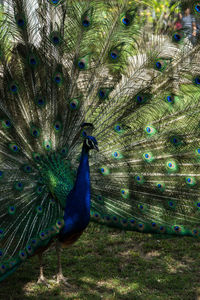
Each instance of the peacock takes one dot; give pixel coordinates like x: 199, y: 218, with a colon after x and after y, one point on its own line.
x: 99, y: 120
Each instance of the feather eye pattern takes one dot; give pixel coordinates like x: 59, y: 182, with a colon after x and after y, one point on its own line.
x: 78, y: 73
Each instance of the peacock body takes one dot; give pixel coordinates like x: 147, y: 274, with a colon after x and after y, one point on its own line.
x: 75, y: 76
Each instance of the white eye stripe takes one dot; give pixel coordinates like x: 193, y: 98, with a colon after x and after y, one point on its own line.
x: 87, y: 143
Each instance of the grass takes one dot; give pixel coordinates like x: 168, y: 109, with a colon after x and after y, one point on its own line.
x: 107, y: 263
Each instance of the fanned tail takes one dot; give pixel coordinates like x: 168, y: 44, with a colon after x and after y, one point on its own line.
x: 65, y: 65
x: 146, y: 176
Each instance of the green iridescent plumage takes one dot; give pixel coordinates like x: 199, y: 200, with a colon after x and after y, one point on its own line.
x: 58, y: 177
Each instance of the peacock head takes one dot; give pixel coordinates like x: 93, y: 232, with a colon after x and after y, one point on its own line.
x: 91, y: 143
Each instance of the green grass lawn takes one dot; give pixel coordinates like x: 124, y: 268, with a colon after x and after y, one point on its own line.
x: 110, y: 264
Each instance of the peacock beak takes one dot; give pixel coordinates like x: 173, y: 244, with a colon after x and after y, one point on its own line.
x: 96, y: 148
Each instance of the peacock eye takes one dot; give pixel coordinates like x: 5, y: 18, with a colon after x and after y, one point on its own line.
x: 197, y: 80
x: 40, y: 101
x: 197, y: 8
x: 57, y: 79
x: 32, y: 61
x: 86, y: 22
x: 20, y: 22
x: 54, y: 2
x: 74, y: 104
x: 101, y: 93
x: 47, y: 145
x: 14, y: 148
x: 55, y: 40
x: 125, y: 21
x: 6, y: 124
x: 22, y: 255
x: 113, y: 55
x: 169, y: 99
x: 158, y: 65
x: 139, y: 99
x: 11, y: 210
x: 81, y: 65
x: 13, y: 88
x: 177, y: 37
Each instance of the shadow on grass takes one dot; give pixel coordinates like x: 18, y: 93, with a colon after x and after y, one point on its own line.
x: 110, y: 264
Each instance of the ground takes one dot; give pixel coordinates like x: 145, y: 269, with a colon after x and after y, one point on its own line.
x: 110, y: 264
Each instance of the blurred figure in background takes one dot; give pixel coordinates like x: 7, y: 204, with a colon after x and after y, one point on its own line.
x: 178, y: 23
x: 189, y: 25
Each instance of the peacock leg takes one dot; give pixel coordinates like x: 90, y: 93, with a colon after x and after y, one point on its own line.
x: 59, y: 277
x: 41, y: 278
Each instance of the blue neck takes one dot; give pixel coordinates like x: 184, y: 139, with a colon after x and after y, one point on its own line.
x: 77, y: 209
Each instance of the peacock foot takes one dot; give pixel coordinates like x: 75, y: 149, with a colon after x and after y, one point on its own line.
x: 43, y: 280
x: 61, y: 279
